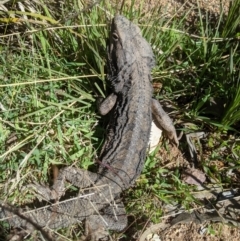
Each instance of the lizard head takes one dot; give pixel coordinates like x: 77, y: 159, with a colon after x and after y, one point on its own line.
x: 126, y: 45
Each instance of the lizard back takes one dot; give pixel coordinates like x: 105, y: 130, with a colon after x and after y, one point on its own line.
x: 130, y: 59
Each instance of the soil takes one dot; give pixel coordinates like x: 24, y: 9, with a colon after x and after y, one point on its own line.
x: 207, y: 231
x: 202, y: 232
x: 177, y: 7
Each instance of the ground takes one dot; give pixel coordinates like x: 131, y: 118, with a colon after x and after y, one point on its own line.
x: 175, y: 157
x: 207, y: 231
x: 190, y: 231
x: 172, y: 7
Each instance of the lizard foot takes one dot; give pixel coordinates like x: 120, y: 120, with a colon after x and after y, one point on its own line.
x: 94, y: 234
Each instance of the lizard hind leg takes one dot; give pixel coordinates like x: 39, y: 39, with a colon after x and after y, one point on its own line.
x: 110, y: 218
x: 78, y: 177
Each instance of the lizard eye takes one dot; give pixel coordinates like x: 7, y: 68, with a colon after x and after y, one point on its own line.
x: 115, y: 37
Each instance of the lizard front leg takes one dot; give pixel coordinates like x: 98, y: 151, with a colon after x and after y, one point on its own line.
x: 107, y: 104
x: 163, y: 121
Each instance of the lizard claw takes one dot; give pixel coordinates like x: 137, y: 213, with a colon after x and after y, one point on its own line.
x: 94, y: 234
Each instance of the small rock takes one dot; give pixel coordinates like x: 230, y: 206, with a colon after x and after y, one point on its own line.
x: 194, y: 176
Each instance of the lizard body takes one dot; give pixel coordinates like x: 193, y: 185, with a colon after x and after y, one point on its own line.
x: 130, y: 106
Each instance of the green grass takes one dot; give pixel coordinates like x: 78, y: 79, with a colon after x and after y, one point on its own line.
x: 53, y: 68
